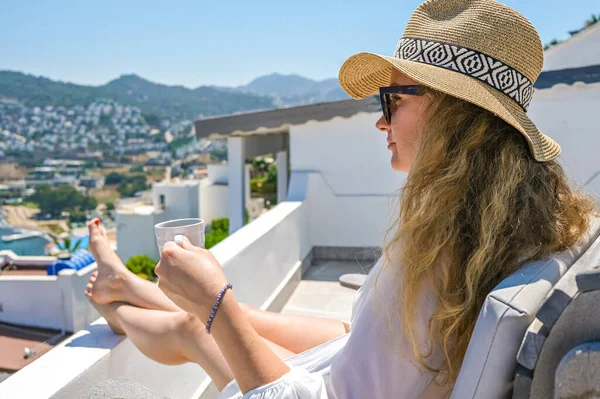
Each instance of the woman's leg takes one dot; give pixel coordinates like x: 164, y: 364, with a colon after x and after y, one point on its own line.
x: 173, y: 338
x: 296, y: 333
x: 155, y: 325
x: 114, y: 283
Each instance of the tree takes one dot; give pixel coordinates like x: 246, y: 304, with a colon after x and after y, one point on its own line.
x: 176, y: 172
x: 143, y: 266
x: 219, y: 230
x: 151, y: 119
x: 137, y: 169
x: 114, y: 178
x: 88, y: 203
x: 77, y: 217
x: 594, y: 19
x: 132, y: 184
x: 271, y: 174
x: 220, y: 224
x: 219, y: 154
x: 55, y: 201
x: 214, y: 237
x: 66, y: 244
x: 110, y: 206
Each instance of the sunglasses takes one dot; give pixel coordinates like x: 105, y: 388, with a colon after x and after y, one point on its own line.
x: 388, y: 103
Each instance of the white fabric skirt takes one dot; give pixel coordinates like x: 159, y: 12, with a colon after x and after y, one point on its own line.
x: 315, y: 360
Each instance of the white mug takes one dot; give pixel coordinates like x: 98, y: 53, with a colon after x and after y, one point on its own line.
x: 173, y: 230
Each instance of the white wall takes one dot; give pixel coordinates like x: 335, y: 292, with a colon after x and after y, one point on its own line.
x: 135, y: 235
x: 81, y: 311
x: 259, y: 256
x: 74, y: 367
x: 8, y: 256
x: 569, y: 114
x: 346, y: 221
x: 350, y: 184
x: 54, y: 302
x: 351, y: 155
x: 181, y: 200
x: 135, y: 232
x: 214, y: 201
x: 581, y: 50
x: 41, y: 306
x: 218, y: 173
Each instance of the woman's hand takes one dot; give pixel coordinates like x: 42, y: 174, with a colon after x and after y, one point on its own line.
x: 191, y: 277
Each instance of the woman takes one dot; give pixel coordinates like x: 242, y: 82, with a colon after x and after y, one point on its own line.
x: 484, y: 195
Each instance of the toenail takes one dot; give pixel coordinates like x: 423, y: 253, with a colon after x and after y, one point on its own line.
x: 97, y: 221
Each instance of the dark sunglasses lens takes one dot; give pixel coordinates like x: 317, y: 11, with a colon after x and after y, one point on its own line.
x: 387, y: 107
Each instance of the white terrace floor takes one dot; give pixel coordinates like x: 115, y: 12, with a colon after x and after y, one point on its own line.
x: 320, y: 294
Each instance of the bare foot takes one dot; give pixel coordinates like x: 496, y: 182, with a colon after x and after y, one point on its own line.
x: 108, y: 282
x: 107, y: 311
x: 112, y: 282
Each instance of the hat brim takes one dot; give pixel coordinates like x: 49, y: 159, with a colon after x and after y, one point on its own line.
x: 364, y: 73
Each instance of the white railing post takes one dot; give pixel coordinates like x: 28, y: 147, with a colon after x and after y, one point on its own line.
x: 282, y: 176
x: 236, y: 185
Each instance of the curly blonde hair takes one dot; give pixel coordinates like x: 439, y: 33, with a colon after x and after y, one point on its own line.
x: 474, y: 208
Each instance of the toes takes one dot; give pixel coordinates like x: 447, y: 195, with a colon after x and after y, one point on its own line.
x: 93, y: 279
x: 95, y: 273
x: 88, y: 294
x: 89, y: 287
x: 94, y: 227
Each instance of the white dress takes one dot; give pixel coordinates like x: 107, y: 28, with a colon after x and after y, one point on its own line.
x: 372, y: 361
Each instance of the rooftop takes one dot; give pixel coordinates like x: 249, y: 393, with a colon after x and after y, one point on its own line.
x: 574, y: 60
x: 138, y: 209
x: 178, y: 182
x: 15, y: 339
x: 278, y: 120
x: 24, y: 272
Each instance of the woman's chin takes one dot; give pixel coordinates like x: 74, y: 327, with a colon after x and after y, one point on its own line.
x: 397, y: 164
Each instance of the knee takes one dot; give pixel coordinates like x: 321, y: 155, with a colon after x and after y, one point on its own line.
x: 185, y: 322
x: 247, y: 309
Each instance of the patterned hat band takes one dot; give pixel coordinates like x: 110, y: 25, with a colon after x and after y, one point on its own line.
x: 495, y: 73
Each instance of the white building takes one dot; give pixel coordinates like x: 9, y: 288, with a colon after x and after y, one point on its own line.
x: 338, y: 202
x: 566, y: 104
x: 35, y: 299
x: 178, y: 199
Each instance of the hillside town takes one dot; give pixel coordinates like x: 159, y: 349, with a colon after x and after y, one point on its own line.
x: 103, y: 126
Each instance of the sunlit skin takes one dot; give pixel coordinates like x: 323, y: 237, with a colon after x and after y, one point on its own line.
x: 407, y: 123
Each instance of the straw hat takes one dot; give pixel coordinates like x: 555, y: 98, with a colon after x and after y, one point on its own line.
x: 480, y: 51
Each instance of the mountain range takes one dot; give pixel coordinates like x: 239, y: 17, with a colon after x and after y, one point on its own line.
x: 174, y: 102
x: 289, y: 90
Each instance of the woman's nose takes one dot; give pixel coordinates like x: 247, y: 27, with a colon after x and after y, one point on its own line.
x: 382, y: 125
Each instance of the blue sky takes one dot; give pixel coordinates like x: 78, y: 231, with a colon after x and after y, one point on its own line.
x: 223, y: 42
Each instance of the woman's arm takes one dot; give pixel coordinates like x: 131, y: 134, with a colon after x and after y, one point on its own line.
x: 192, y: 278
x: 252, y: 362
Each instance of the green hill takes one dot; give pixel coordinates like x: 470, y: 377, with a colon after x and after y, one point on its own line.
x: 176, y: 102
